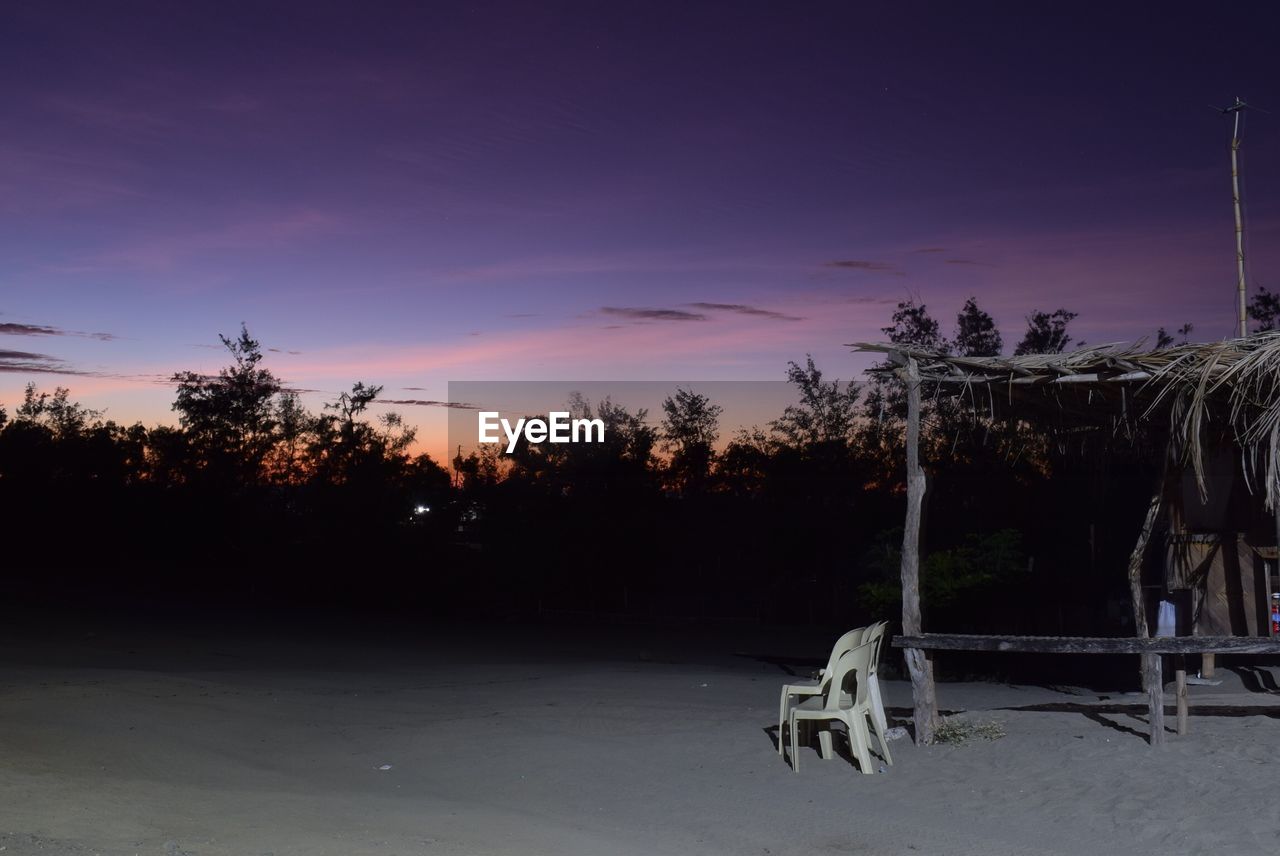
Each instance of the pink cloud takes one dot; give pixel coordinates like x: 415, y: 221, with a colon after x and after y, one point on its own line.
x: 610, y: 350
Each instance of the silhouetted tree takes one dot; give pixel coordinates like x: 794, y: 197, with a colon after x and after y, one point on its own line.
x: 628, y: 440
x: 1164, y: 338
x: 743, y: 467
x: 976, y: 333
x: 346, y: 448
x: 167, y: 456
x: 230, y: 418
x: 481, y: 469
x: 914, y: 326
x: 885, y: 403
x: 1264, y: 309
x: 826, y: 412
x: 1046, y: 333
x: 63, y: 418
x: 690, y: 426
x: 287, y: 461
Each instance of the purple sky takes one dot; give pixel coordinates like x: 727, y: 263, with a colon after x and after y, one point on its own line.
x: 408, y: 194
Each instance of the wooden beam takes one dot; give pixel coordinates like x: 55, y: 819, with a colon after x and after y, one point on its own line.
x: 919, y: 663
x: 1207, y: 664
x: 1091, y: 644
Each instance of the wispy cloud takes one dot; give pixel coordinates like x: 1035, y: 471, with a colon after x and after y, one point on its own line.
x: 420, y: 402
x: 635, y: 313
x: 25, y: 362
x: 279, y: 351
x: 966, y: 262
x: 930, y: 250
x: 745, y: 309
x: 870, y: 300
x: 865, y: 265
x: 10, y: 329
x: 28, y: 330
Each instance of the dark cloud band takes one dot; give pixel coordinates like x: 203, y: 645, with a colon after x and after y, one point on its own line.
x: 421, y: 402
x: 643, y: 314
x: 745, y: 309
x: 11, y: 329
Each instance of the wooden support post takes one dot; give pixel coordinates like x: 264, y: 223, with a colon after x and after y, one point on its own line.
x: 1206, y: 664
x: 1154, y: 679
x: 1140, y: 627
x: 1135, y: 564
x: 919, y: 663
x: 1180, y: 674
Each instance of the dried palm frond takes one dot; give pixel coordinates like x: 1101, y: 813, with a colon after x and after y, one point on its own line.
x: 1200, y: 394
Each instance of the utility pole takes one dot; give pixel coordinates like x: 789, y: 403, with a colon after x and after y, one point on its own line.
x: 1236, y: 109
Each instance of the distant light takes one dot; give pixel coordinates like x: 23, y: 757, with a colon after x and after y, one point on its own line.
x: 421, y: 509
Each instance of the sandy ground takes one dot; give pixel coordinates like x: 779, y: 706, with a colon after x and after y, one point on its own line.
x: 170, y: 740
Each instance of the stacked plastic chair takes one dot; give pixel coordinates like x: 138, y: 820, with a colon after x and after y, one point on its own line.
x: 853, y: 709
x: 845, y: 643
x: 828, y: 697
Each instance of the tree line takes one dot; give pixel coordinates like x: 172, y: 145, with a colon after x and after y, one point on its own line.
x: 252, y: 498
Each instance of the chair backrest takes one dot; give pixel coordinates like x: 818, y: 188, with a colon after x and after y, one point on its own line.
x: 844, y: 643
x: 875, y: 633
x: 853, y: 665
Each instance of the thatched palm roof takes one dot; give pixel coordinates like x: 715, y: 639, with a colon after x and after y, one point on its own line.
x: 1198, y: 393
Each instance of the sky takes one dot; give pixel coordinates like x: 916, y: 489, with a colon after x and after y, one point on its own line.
x: 408, y: 194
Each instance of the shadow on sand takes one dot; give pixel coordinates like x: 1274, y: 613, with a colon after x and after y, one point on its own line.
x: 1256, y: 679
x: 1099, y: 713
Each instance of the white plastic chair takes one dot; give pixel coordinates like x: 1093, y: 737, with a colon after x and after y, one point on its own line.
x: 873, y: 634
x: 853, y: 709
x: 876, y: 633
x: 817, y: 687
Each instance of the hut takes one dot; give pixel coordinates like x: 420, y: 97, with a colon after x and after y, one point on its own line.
x: 1214, y: 411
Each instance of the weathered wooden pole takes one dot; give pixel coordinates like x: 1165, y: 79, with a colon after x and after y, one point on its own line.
x: 1141, y: 629
x: 919, y: 662
x: 1180, y: 676
x: 1276, y: 512
x: 1152, y: 679
x: 1153, y: 676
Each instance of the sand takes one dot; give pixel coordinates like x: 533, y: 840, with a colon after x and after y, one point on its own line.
x: 173, y: 740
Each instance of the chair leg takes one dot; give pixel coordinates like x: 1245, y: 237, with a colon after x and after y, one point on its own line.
x: 795, y: 754
x: 782, y: 716
x: 858, y: 743
x: 884, y: 743
x: 824, y: 744
x: 877, y: 705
